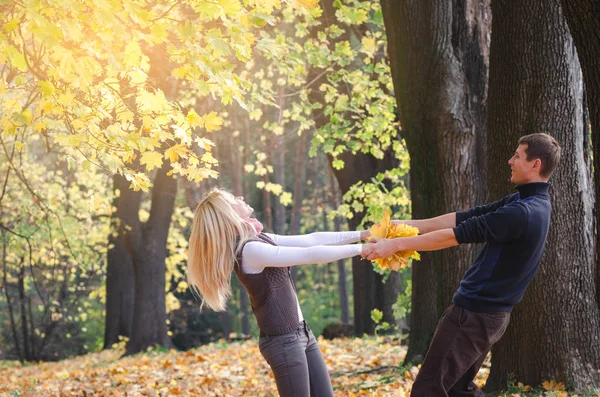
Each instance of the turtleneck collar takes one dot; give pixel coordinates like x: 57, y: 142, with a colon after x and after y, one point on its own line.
x: 533, y: 188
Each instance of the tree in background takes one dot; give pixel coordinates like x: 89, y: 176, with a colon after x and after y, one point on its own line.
x: 332, y: 82
x: 583, y: 18
x: 438, y: 54
x: 536, y: 85
x: 50, y: 274
x: 81, y: 75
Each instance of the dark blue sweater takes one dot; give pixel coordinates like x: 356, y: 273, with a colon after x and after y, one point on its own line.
x: 514, y: 230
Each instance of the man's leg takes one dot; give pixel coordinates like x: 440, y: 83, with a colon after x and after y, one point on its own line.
x: 461, y: 338
x: 465, y: 387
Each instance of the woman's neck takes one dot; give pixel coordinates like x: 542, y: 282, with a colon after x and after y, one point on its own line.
x: 255, y: 224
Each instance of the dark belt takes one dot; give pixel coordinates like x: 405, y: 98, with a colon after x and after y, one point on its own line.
x: 301, y: 325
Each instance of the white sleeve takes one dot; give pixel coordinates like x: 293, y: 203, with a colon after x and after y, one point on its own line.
x: 319, y: 238
x: 257, y: 255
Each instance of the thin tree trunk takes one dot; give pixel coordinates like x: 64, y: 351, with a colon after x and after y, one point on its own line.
x: 267, y: 214
x: 536, y: 86
x: 120, y: 283
x: 335, y: 201
x: 299, y: 187
x: 11, y: 315
x: 238, y: 190
x: 278, y: 155
x: 299, y: 182
x: 149, y: 254
x: 439, y: 55
x: 583, y: 18
x: 24, y: 327
x: 34, y: 351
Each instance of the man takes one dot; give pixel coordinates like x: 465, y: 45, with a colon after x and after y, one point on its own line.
x: 514, y: 230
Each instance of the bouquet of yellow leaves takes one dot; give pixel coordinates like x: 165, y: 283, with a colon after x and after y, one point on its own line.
x: 387, y: 229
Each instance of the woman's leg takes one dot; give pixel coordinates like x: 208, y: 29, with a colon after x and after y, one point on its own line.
x: 288, y: 360
x: 320, y: 384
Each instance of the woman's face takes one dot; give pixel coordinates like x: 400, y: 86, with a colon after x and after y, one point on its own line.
x: 240, y: 207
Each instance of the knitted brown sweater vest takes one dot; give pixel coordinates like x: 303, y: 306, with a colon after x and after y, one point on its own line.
x: 272, y: 295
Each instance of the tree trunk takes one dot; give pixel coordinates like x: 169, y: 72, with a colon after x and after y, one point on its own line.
x: 536, y: 86
x: 335, y: 201
x: 369, y: 290
x: 299, y: 183
x: 267, y: 214
x: 11, y: 316
x: 238, y: 190
x: 278, y: 155
x: 439, y: 59
x: 149, y: 254
x: 583, y: 18
x: 120, y: 290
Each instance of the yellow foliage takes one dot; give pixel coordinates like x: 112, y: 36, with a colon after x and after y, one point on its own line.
x: 387, y: 229
x: 212, y: 122
x: 553, y: 385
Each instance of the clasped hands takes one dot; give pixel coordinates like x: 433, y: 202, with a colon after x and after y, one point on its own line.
x: 381, y: 248
x: 377, y: 248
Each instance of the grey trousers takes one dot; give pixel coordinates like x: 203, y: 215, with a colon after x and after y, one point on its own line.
x: 297, y: 363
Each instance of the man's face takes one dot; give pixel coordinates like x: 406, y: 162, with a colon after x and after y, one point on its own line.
x: 523, y: 171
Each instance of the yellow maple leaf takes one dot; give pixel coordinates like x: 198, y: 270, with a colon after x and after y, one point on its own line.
x: 212, y: 121
x: 380, y: 229
x: 307, y: 4
x: 138, y: 181
x: 151, y: 160
x: 553, y: 385
x: 39, y: 127
x: 175, y: 152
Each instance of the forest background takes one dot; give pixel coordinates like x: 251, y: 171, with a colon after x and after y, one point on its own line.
x: 118, y: 115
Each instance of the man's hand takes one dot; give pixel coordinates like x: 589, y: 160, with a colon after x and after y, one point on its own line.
x: 380, y: 248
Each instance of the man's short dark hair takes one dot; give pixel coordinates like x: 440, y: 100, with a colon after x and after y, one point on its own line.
x: 544, y: 147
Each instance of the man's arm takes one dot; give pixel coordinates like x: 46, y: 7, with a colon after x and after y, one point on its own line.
x: 432, y: 241
x: 446, y: 221
x: 452, y: 219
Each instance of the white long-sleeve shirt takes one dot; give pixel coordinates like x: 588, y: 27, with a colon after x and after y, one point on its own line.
x: 320, y: 247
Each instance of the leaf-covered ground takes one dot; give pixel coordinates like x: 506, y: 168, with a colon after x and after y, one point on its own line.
x: 358, y: 367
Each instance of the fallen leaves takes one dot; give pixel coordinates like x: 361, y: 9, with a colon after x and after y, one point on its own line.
x: 358, y: 367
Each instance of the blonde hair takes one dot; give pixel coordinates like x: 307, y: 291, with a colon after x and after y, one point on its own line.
x: 218, y: 233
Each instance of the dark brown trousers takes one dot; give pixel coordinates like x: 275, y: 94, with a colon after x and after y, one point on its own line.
x: 461, y: 342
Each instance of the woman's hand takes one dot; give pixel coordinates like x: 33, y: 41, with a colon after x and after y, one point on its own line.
x: 365, y: 234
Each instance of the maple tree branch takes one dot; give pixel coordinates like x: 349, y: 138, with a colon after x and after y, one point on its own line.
x: 368, y: 371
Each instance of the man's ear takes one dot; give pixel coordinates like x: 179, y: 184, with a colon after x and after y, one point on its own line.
x: 537, y: 164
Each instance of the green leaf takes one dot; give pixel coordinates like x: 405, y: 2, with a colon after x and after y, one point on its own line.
x: 46, y: 88
x: 337, y: 164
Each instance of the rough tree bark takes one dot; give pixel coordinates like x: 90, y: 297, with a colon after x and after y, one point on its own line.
x: 536, y: 86
x: 148, y: 250
x: 438, y: 53
x: 120, y: 289
x: 583, y: 18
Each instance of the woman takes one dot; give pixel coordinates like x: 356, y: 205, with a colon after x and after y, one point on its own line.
x: 225, y: 239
